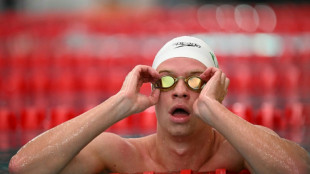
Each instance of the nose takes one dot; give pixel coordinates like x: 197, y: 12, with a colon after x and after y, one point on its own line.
x: 180, y: 90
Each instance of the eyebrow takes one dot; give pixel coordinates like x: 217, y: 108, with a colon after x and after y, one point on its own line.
x: 190, y: 73
x: 195, y: 72
x: 165, y: 71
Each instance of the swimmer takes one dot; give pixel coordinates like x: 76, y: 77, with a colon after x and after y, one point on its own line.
x: 194, y: 131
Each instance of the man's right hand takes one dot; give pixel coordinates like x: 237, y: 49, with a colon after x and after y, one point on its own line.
x: 136, y: 102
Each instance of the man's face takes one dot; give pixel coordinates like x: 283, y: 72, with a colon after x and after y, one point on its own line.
x: 175, y: 107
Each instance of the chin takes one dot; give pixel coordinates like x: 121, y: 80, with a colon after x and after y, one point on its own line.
x: 180, y: 130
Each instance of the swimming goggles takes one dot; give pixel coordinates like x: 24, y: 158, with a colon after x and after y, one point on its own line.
x: 166, y: 83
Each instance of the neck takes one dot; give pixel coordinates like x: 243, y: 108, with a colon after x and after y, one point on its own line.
x: 188, y: 151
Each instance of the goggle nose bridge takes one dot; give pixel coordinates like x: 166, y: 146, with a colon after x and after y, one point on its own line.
x: 176, y: 79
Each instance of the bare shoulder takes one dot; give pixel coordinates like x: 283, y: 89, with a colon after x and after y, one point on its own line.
x: 107, y: 152
x: 115, y: 142
x: 112, y: 149
x: 118, y: 153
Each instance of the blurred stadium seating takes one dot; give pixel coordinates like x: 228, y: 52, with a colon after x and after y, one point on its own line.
x: 55, y: 66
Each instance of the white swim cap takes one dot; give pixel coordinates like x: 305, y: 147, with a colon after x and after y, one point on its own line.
x: 189, y: 47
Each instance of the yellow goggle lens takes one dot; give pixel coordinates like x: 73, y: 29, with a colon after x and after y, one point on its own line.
x: 167, y: 81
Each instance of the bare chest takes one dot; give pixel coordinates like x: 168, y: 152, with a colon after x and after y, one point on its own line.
x: 218, y: 161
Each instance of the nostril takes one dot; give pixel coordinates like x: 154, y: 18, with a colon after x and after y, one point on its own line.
x: 177, y: 95
x: 180, y: 91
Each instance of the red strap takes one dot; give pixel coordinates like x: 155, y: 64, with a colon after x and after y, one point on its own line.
x: 186, y: 171
x: 149, y: 172
x: 220, y: 171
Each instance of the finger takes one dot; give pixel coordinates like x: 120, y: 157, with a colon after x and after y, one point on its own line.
x: 217, y: 75
x: 154, y: 96
x: 133, y: 79
x: 227, y: 81
x: 223, y: 78
x: 212, y: 80
x: 154, y: 73
x: 147, y: 101
x: 208, y: 73
x: 149, y: 71
x: 148, y: 74
x: 129, y: 78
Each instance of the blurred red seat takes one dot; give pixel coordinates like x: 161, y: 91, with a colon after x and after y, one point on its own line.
x: 63, y: 61
x: 294, y: 115
x: 59, y: 115
x: 15, y: 83
x: 39, y: 82
x: 14, y: 89
x: 243, y: 111
x: 290, y: 78
x: 18, y: 61
x: 225, y: 15
x: 246, y: 18
x: 92, y: 81
x: 286, y: 19
x: 304, y: 82
x: 7, y: 120
x: 64, y: 89
x: 269, y: 116
x: 267, y: 18
x: 148, y: 121
x: 295, y: 121
x: 123, y: 127
x: 207, y: 18
x: 266, y: 82
x: 40, y: 58
x: 241, y: 79
x: 306, y: 111
x: 32, y: 118
x: 114, y: 81
x: 38, y: 88
x: 64, y: 81
x: 8, y: 127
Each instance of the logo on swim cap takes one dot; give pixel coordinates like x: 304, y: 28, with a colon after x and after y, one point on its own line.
x: 189, y: 44
x: 188, y: 47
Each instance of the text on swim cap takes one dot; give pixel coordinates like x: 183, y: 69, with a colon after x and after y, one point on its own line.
x: 189, y: 44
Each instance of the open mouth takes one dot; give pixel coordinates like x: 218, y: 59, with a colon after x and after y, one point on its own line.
x: 180, y: 111
x: 180, y: 114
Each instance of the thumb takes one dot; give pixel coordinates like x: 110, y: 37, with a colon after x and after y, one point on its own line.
x: 154, y: 96
x: 146, y: 101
